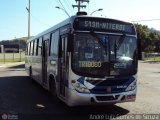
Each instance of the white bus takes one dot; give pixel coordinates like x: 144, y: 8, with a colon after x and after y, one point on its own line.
x: 86, y: 60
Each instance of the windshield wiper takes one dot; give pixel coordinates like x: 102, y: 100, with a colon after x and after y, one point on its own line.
x: 102, y: 43
x: 99, y: 40
x: 120, y: 41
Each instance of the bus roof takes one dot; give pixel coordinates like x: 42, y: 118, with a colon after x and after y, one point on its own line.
x: 63, y: 23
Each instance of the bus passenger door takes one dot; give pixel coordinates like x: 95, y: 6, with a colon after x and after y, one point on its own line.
x: 62, y: 67
x: 45, y: 61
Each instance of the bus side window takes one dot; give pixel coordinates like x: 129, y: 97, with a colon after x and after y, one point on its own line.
x: 70, y: 43
x: 60, y: 49
x: 54, y: 43
x: 29, y: 49
x: 26, y: 52
x: 35, y: 47
x: 40, y: 47
x: 63, y: 48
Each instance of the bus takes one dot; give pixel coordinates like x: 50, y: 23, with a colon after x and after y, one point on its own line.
x: 86, y: 60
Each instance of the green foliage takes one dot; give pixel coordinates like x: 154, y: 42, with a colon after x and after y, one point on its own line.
x: 154, y: 58
x: 148, y: 37
x: 13, y: 60
x: 12, y: 57
x: 18, y: 41
x: 23, y: 38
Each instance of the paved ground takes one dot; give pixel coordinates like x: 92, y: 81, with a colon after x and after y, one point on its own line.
x: 22, y: 98
x: 148, y: 97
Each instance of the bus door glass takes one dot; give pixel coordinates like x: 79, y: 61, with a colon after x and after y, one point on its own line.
x: 45, y: 60
x: 63, y: 64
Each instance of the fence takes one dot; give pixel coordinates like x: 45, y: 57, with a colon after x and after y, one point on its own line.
x: 12, y: 57
x: 151, y: 56
x: 19, y: 57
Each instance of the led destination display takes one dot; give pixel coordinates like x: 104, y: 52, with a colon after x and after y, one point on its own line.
x: 105, y: 25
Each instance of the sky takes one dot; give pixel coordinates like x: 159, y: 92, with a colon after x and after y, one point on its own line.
x: 14, y: 16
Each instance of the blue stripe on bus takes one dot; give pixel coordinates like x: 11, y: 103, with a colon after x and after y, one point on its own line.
x: 102, y: 89
x: 81, y: 80
x: 130, y: 80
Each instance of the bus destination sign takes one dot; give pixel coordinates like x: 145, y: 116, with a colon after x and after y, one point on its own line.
x: 106, y: 25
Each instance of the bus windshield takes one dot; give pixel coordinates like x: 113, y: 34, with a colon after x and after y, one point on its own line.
x: 104, y: 54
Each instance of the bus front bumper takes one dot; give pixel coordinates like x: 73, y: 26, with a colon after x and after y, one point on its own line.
x: 76, y: 99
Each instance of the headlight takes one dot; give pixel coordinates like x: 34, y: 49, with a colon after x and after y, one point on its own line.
x: 132, y: 86
x: 79, y: 87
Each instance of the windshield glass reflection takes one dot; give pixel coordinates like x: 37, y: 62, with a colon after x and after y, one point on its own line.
x: 102, y: 54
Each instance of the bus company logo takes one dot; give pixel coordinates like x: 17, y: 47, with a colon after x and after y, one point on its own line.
x: 4, y: 116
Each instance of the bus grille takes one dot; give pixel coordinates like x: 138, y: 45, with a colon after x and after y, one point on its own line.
x: 101, y: 87
x: 108, y: 82
x: 104, y: 91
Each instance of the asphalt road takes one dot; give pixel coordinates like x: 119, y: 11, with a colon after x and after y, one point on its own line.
x: 23, y: 99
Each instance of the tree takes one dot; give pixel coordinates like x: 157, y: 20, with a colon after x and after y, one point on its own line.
x: 147, y: 37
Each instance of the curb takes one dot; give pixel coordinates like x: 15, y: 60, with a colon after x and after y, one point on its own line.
x: 10, y: 64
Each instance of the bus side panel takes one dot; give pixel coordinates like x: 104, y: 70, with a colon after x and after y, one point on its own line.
x: 37, y: 68
x: 52, y: 68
